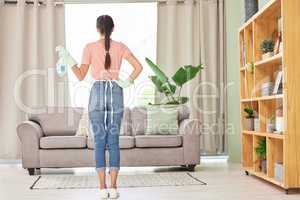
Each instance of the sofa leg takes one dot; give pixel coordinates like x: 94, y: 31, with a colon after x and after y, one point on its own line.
x: 191, y: 168
x: 31, y: 171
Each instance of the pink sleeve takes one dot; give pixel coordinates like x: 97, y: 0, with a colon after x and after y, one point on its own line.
x: 125, y: 51
x: 86, y: 56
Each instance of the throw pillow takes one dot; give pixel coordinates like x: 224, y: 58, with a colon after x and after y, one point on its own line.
x: 84, y: 128
x: 162, y: 120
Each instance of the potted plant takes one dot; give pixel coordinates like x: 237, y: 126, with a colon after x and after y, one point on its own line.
x: 171, y: 87
x: 248, y: 121
x: 267, y: 48
x: 271, y: 124
x: 261, y: 152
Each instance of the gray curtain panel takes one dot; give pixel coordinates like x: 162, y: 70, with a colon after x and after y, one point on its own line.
x: 192, y: 32
x: 28, y: 36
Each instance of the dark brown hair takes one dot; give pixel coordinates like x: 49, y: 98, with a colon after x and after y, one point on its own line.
x: 105, y: 24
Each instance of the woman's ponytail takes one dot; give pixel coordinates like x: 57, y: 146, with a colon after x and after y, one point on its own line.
x: 107, y: 62
x: 105, y: 24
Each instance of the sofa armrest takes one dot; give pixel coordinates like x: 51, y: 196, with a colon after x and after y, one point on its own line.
x: 30, y: 133
x: 190, y: 129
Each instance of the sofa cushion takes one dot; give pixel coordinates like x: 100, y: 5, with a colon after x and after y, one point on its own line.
x: 63, y: 142
x: 126, y: 123
x: 84, y: 128
x: 58, y: 121
x: 139, y: 118
x: 162, y: 122
x: 125, y: 142
x: 158, y: 141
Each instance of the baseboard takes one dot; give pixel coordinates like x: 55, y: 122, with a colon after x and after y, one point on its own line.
x: 10, y: 161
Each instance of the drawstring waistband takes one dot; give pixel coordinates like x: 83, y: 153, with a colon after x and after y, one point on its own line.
x: 110, y: 82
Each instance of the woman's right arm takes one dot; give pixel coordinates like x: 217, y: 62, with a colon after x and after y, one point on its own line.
x: 80, y: 72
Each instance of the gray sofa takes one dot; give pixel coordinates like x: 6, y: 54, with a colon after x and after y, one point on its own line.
x: 48, y: 141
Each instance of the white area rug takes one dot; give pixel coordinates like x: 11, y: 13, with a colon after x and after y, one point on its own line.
x: 137, y: 180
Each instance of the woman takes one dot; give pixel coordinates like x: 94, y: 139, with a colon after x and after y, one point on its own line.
x: 106, y: 98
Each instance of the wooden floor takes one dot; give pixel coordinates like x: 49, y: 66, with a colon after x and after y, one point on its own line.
x: 224, y: 182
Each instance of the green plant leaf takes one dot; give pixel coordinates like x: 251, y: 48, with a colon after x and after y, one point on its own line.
x: 166, y: 88
x: 185, y: 74
x: 250, y: 112
x: 261, y: 149
x: 160, y: 74
x: 182, y: 100
x: 157, y: 83
x: 267, y: 45
x: 178, y: 100
x: 169, y: 88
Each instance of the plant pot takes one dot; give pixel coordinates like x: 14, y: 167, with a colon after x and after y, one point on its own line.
x: 256, y: 125
x: 248, y: 124
x: 267, y: 55
x: 270, y: 127
x: 251, y: 7
x: 263, y: 166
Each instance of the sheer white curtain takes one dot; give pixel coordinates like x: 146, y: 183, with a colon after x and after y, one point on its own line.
x: 29, y: 33
x: 192, y: 32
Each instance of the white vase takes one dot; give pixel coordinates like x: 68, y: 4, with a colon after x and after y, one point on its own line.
x: 279, y: 124
x: 256, y: 124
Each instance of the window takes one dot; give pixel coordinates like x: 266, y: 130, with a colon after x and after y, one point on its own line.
x: 135, y: 25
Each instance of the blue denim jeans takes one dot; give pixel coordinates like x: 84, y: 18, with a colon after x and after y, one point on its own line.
x: 106, y: 112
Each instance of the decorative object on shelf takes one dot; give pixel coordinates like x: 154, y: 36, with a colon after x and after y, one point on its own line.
x: 278, y: 171
x: 256, y: 124
x: 281, y: 47
x: 266, y: 89
x: 261, y: 152
x: 248, y: 121
x: 267, y: 48
x: 270, y: 127
x: 169, y: 86
x: 279, y: 24
x: 278, y: 83
x: 278, y: 43
x: 251, y: 7
x: 250, y: 67
x: 279, y: 122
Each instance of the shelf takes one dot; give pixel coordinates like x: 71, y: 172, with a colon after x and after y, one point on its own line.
x: 274, y: 60
x: 249, y: 132
x: 264, y: 98
x: 270, y: 7
x: 263, y: 176
x: 276, y: 16
x: 262, y: 134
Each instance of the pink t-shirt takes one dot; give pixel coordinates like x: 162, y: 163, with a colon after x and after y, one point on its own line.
x: 94, y: 55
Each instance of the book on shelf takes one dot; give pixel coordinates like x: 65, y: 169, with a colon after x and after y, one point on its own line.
x: 278, y: 83
x: 243, y: 53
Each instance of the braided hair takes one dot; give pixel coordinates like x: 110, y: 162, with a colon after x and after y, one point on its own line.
x: 105, y: 24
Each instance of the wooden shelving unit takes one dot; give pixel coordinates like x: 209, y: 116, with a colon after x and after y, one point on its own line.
x: 281, y: 148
